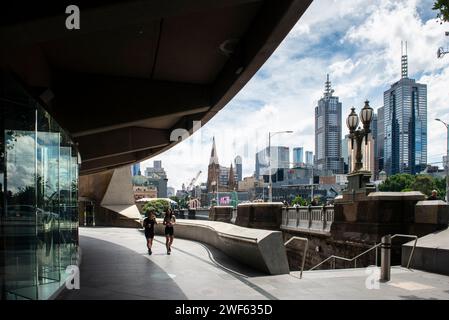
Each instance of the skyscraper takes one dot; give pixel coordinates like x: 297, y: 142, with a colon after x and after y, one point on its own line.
x: 405, y: 125
x: 135, y: 169
x: 309, y: 158
x: 328, y: 132
x: 380, y: 141
x: 238, y: 168
x: 298, y: 158
x: 345, y: 153
x: 280, y: 158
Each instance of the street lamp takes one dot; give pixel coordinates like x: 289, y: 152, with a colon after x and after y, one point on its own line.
x: 270, y: 183
x: 366, y: 115
x: 447, y: 158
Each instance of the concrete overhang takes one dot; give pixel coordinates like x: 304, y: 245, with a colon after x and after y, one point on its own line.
x: 137, y: 70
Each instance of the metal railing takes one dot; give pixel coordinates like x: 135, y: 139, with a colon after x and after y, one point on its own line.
x: 316, y: 218
x: 306, y: 247
x: 334, y: 257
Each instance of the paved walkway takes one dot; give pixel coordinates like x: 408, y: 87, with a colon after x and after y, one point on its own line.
x: 115, y: 265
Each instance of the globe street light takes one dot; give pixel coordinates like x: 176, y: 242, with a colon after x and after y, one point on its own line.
x: 270, y: 183
x: 366, y: 115
x: 447, y: 158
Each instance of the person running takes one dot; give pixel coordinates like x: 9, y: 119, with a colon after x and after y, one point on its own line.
x: 169, y: 222
x: 148, y: 224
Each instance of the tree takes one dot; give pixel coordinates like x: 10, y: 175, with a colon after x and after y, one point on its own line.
x: 423, y: 183
x: 299, y: 201
x: 398, y: 182
x: 443, y: 10
x: 159, y: 207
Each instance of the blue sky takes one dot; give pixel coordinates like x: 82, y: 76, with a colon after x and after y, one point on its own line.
x: 358, y: 43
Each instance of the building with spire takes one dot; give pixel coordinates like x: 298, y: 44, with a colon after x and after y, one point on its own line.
x: 219, y: 177
x: 328, y: 132
x: 405, y: 123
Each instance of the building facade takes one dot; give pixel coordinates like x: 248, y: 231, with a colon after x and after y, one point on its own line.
x: 39, y: 166
x: 380, y: 141
x: 238, y: 168
x: 280, y: 158
x: 135, y: 169
x: 328, y: 132
x: 405, y: 125
x: 298, y: 157
x: 309, y: 158
x: 157, y: 177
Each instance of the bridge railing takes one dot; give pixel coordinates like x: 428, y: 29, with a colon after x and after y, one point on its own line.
x: 310, y: 218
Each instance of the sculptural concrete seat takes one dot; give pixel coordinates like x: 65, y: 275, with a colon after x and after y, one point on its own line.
x: 261, y: 249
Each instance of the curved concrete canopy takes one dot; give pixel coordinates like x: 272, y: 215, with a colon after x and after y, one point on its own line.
x: 137, y: 70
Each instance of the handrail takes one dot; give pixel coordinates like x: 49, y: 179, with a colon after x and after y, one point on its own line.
x: 372, y: 248
x: 306, y: 247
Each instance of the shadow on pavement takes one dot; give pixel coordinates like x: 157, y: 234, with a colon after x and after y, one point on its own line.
x: 112, y: 272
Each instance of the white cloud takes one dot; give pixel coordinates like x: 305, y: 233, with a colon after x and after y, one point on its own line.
x: 358, y: 43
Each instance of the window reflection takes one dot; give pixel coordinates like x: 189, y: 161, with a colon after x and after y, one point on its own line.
x: 38, y: 198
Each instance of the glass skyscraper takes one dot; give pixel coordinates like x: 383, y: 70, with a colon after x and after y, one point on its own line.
x: 298, y: 156
x: 405, y: 125
x: 280, y: 158
x: 328, y: 132
x: 309, y: 158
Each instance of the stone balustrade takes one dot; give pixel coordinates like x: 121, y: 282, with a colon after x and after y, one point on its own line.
x: 314, y: 219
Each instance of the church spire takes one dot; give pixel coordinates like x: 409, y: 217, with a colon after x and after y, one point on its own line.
x: 213, y: 154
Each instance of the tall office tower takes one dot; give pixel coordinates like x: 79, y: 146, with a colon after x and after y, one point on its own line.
x: 380, y: 141
x: 345, y: 153
x: 238, y: 168
x: 135, y: 169
x: 280, y: 158
x: 298, y: 159
x: 328, y: 132
x: 309, y: 158
x: 374, y: 128
x: 157, y: 164
x: 405, y: 124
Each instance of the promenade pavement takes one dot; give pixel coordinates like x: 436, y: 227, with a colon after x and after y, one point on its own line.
x: 115, y: 265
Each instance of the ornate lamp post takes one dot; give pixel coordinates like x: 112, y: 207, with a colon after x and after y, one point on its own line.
x: 366, y: 114
x: 359, y: 179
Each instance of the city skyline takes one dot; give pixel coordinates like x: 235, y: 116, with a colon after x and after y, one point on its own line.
x: 362, y: 64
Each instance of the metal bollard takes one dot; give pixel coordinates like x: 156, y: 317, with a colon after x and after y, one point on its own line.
x: 385, y: 254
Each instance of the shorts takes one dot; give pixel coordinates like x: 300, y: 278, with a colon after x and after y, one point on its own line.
x: 169, y: 231
x: 149, y: 234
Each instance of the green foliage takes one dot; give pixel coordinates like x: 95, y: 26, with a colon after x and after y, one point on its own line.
x: 422, y: 182
x: 159, y: 207
x: 299, y: 201
x: 397, y: 182
x: 443, y: 10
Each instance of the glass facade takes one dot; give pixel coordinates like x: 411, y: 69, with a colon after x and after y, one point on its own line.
x: 405, y: 126
x: 39, y: 196
x: 328, y: 133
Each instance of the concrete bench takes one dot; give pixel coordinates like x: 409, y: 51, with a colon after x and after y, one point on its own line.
x: 261, y: 249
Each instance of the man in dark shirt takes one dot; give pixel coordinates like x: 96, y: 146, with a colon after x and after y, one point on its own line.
x: 148, y: 224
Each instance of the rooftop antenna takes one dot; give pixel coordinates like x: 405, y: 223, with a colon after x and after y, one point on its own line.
x: 328, y: 91
x: 404, y: 60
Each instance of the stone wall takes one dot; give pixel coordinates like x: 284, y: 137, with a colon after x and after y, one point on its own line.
x: 267, y: 215
x: 221, y: 213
